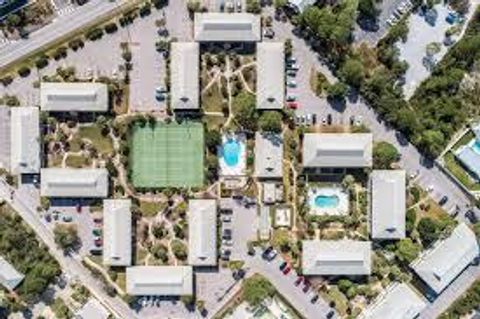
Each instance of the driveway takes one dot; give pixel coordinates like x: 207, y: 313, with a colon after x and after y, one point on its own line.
x: 285, y: 286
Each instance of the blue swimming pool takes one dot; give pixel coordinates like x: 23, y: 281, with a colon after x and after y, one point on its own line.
x: 231, y: 152
x: 476, y: 147
x: 324, y: 201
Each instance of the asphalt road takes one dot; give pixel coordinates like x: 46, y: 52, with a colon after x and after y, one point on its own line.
x: 60, y: 27
x: 71, y: 265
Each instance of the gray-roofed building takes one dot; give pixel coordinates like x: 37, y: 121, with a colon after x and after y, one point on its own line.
x: 202, y: 232
x: 336, y: 257
x: 470, y: 159
x: 93, y: 309
x: 5, y: 137
x: 73, y: 97
x: 117, y: 232
x: 339, y: 150
x: 388, y: 204
x: 439, y: 266
x: 74, y: 182
x: 184, y: 76
x: 398, y: 302
x: 270, y: 75
x: 268, y: 155
x: 10, y: 278
x: 25, y: 140
x: 227, y: 27
x: 300, y: 5
x: 159, y: 280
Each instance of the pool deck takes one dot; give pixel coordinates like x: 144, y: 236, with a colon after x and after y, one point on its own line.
x: 240, y: 169
x: 343, y: 201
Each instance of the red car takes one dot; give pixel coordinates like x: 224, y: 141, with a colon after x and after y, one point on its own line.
x: 306, y: 286
x: 293, y: 105
x: 286, y: 270
x: 79, y: 208
x: 98, y: 242
x: 299, y: 280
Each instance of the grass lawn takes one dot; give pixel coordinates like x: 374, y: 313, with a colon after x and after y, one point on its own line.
x: 103, y: 144
x: 77, y: 161
x: 151, y: 208
x: 318, y: 82
x: 459, y: 172
x: 167, y: 155
x: 55, y: 160
x: 214, y: 122
x: 341, y: 302
x: 466, y: 138
x: 212, y: 99
x: 141, y: 254
x: 121, y: 280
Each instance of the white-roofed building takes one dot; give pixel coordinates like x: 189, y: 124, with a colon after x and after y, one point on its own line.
x: 117, y: 232
x: 227, y: 27
x: 25, y: 140
x: 439, y: 266
x: 202, y: 232
x: 10, y: 278
x: 336, y: 257
x: 73, y: 97
x: 337, y: 150
x: 159, y: 280
x: 270, y: 75
x: 93, y: 309
x: 300, y: 5
x: 398, y: 302
x: 388, y: 204
x: 268, y: 155
x: 74, y: 182
x: 184, y: 76
x: 5, y: 136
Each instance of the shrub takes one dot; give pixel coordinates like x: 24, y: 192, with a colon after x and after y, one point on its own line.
x: 24, y: 71
x: 94, y: 34
x: 111, y: 28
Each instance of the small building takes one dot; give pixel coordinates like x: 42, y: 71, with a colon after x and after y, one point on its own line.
x: 398, y: 301
x: 5, y: 133
x: 268, y: 155
x: 336, y: 257
x: 270, y: 75
x: 202, y: 232
x: 117, y: 232
x: 388, y: 204
x: 272, y: 193
x: 337, y: 150
x: 184, y: 76
x: 300, y: 5
x: 439, y: 266
x: 227, y: 27
x: 93, y: 309
x: 25, y: 140
x: 283, y: 217
x: 73, y: 97
x: 159, y: 280
x: 74, y: 182
x: 10, y: 278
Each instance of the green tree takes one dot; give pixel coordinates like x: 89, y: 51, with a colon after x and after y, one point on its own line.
x: 279, y: 3
x: 66, y: 237
x: 179, y: 249
x: 410, y: 220
x: 353, y: 72
x: 337, y: 92
x: 160, y: 252
x: 270, y: 121
x: 428, y: 230
x: 256, y: 289
x: 253, y: 6
x: 367, y: 9
x: 213, y: 138
x: 406, y: 251
x: 344, y: 285
x: 384, y: 155
x: 245, y: 111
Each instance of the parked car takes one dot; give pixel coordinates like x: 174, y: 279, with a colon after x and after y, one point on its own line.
x: 306, y: 285
x: 226, y: 254
x: 298, y: 281
x: 471, y: 216
x: 283, y: 265
x: 269, y: 254
x: 443, y: 201
x: 227, y: 234
x: 48, y: 218
x: 238, y: 274
x: 79, y: 208
x: 352, y: 120
x: 314, y: 299
x: 293, y: 105
x: 227, y: 242
x: 56, y: 215
x: 330, y: 314
x: 226, y: 218
x: 287, y: 270
x: 97, y: 232
x: 291, y: 73
x: 292, y: 83
x: 96, y: 252
x: 268, y: 33
x: 291, y: 98
x: 98, y: 220
x: 314, y: 119
x: 329, y: 119
x: 293, y: 67
x: 98, y: 242
x: 309, y: 119
x: 67, y: 219
x: 291, y: 60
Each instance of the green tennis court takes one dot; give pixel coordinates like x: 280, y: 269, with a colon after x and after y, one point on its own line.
x: 167, y: 155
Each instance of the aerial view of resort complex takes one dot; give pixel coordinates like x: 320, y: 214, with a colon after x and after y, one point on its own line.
x: 239, y: 159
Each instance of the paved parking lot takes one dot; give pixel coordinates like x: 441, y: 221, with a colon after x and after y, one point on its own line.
x: 243, y: 225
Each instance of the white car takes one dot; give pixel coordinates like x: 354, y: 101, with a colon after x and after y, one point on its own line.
x: 226, y: 218
x: 291, y: 98
x: 430, y: 188
x: 309, y: 119
x: 227, y: 242
x: 292, y: 83
x: 358, y: 122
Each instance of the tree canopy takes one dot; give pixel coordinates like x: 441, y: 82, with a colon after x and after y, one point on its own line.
x: 256, y: 289
x: 384, y: 155
x: 245, y: 112
x: 270, y: 121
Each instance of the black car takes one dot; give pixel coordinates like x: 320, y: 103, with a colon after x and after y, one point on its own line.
x: 283, y: 265
x: 227, y: 234
x: 330, y: 314
x: 443, y: 201
x: 314, y: 299
x: 329, y: 119
x: 471, y: 216
x: 314, y: 119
